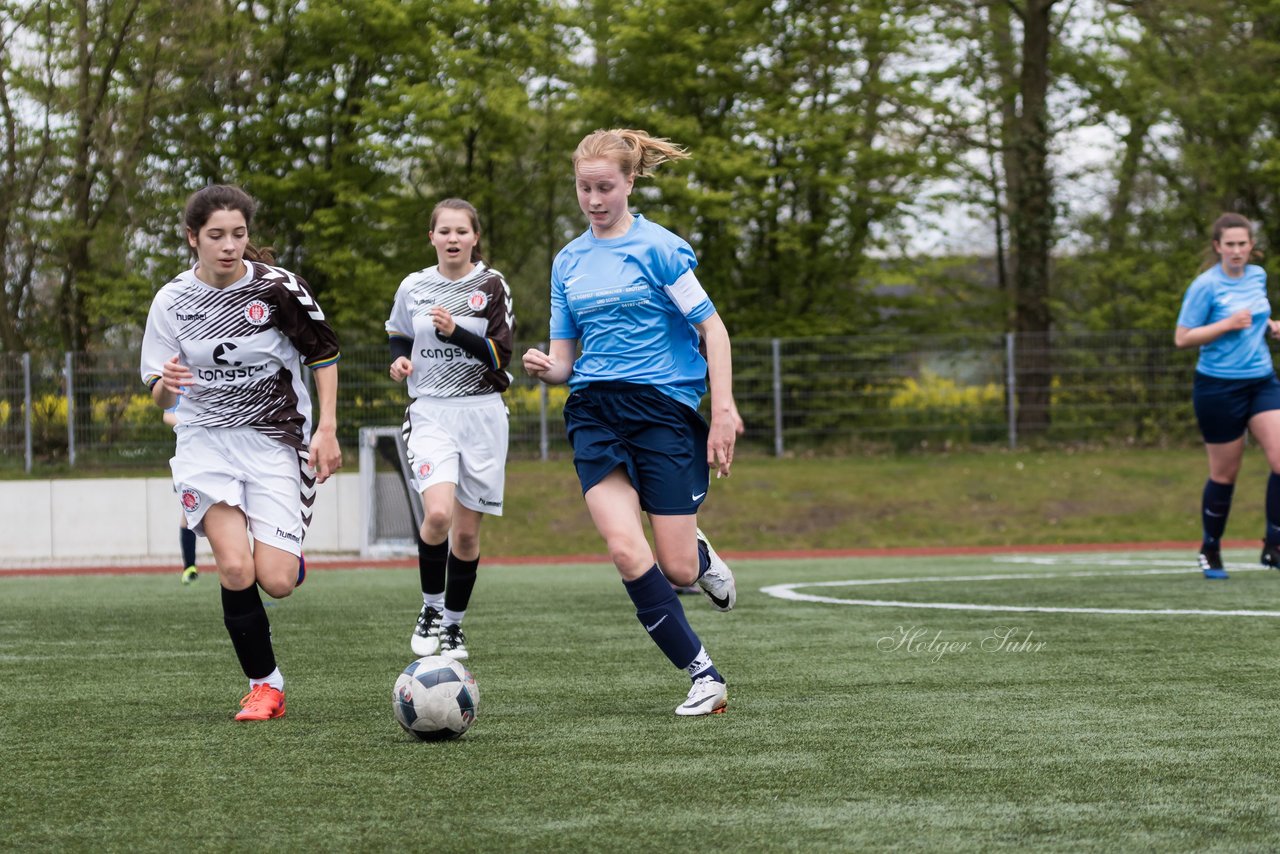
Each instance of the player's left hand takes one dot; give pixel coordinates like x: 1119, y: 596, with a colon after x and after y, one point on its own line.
x: 442, y: 320
x: 720, y: 442
x: 739, y: 426
x: 1273, y: 327
x: 326, y: 455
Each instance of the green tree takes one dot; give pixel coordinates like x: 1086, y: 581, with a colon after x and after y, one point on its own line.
x: 25, y: 163
x: 1188, y: 84
x: 111, y: 60
x: 350, y: 120
x: 808, y: 149
x: 1008, y: 53
x: 488, y: 118
x: 82, y: 84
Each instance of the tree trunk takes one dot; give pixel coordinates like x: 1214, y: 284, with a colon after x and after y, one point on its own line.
x: 1031, y: 218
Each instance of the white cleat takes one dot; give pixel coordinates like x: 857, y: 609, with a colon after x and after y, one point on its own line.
x: 706, y: 697
x: 453, y: 644
x: 717, y: 582
x: 426, y: 634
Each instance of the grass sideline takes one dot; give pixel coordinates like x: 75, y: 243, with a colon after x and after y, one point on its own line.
x: 1119, y: 733
x: 973, y: 498
x: 1060, y: 496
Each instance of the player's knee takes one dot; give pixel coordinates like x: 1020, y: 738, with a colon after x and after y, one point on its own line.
x: 277, y: 587
x: 1229, y: 474
x: 464, y: 542
x: 628, y: 556
x: 681, y: 575
x: 237, y: 571
x: 436, y: 522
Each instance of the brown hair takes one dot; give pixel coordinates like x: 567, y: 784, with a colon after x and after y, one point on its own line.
x: 635, y: 152
x: 223, y: 197
x: 467, y: 208
x: 1221, y: 224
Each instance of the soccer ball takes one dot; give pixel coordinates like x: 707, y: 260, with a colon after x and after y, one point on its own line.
x: 435, y: 698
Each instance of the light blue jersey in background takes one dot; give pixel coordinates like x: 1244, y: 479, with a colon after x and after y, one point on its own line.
x: 632, y: 302
x: 1213, y: 296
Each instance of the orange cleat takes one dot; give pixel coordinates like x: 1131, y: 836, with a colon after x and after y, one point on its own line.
x: 261, y: 704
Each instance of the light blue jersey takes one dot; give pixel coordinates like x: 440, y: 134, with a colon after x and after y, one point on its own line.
x: 1213, y: 296
x: 632, y: 302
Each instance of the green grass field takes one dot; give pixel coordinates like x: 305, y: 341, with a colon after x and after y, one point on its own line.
x: 850, y: 727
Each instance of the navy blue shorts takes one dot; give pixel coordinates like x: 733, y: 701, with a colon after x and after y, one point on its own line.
x: 660, y: 442
x: 1224, y: 407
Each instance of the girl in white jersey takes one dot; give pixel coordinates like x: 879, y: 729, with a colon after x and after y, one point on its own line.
x: 230, y: 336
x: 1227, y: 315
x: 450, y: 332
x: 626, y: 289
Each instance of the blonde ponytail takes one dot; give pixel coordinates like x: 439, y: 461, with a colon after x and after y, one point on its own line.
x: 635, y: 152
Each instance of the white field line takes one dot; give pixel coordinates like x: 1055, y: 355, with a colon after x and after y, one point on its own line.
x: 789, y: 591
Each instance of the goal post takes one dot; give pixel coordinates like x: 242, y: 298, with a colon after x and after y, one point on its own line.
x: 391, y: 509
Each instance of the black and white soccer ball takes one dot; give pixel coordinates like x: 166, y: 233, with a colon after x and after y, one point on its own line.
x: 435, y: 698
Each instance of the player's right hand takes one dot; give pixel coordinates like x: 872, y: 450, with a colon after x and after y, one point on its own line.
x: 1242, y: 319
x: 175, y: 376
x: 401, y: 368
x: 537, y: 363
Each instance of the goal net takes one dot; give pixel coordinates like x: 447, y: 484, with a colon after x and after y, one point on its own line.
x: 392, y: 511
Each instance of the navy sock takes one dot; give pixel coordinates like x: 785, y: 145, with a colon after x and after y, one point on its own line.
x: 246, y: 622
x: 431, y: 564
x: 1273, y: 509
x: 1215, y: 506
x: 704, y: 559
x: 658, y: 609
x: 188, y: 539
x: 461, y: 580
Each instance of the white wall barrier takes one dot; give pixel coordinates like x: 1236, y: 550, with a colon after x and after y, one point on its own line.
x: 121, y: 518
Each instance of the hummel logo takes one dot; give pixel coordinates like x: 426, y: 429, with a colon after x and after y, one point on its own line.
x: 699, y: 495
x: 655, y: 625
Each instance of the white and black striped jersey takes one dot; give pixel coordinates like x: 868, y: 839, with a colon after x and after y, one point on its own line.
x: 480, y: 303
x: 244, y: 343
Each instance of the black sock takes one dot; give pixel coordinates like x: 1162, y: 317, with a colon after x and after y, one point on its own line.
x: 431, y: 564
x: 188, y: 540
x: 246, y: 622
x: 1215, y: 506
x: 462, y: 578
x: 1273, y: 509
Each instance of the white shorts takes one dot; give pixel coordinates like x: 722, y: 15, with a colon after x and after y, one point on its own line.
x: 240, y: 467
x: 463, y: 441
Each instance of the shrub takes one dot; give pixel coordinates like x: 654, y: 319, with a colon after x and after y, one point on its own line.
x: 937, y: 408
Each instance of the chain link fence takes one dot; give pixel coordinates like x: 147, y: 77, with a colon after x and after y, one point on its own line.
x: 866, y: 393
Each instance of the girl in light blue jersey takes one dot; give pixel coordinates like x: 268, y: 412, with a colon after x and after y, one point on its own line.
x: 626, y: 290
x: 1227, y: 315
